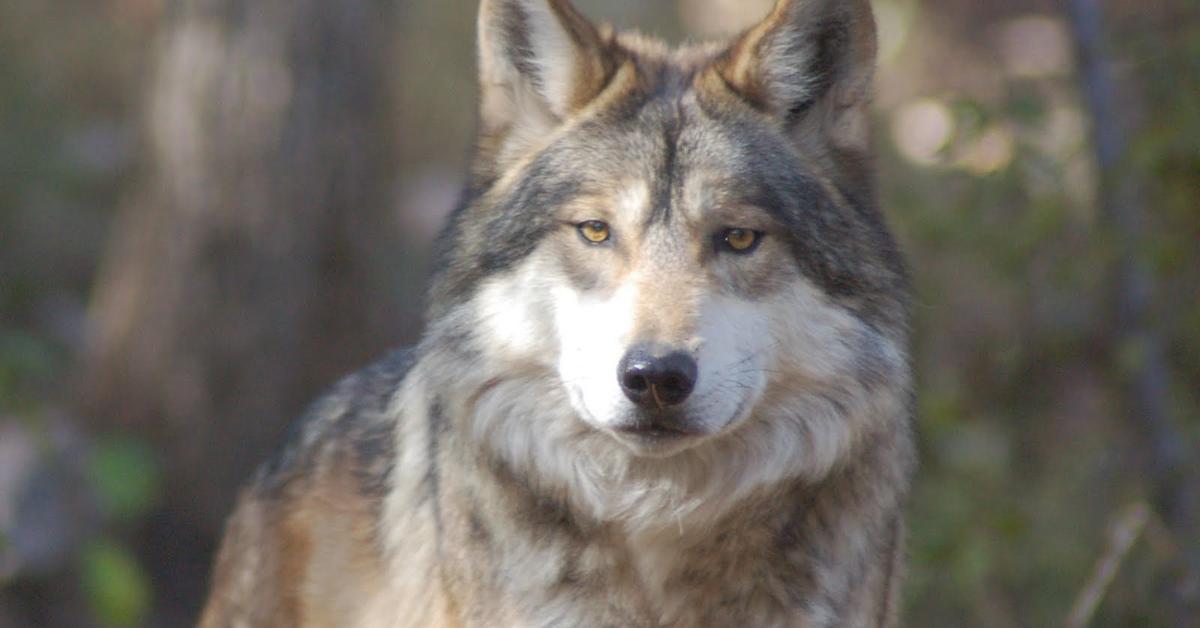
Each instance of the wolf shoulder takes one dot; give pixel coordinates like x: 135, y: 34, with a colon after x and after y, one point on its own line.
x: 354, y: 423
x: 305, y: 545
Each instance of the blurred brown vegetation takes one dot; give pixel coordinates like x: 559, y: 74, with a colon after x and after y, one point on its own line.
x: 210, y: 209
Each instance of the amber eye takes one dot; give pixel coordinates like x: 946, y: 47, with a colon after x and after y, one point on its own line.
x: 594, y: 231
x: 741, y: 240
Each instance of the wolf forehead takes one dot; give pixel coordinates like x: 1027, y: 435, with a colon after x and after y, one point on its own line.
x: 689, y: 147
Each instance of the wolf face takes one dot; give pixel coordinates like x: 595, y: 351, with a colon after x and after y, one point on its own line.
x: 683, y: 243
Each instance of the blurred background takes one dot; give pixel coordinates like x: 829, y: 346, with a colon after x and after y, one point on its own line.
x: 211, y: 209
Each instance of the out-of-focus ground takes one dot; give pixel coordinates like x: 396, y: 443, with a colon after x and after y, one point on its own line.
x: 1043, y: 176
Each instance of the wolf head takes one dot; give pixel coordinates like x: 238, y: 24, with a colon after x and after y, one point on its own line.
x: 684, y: 241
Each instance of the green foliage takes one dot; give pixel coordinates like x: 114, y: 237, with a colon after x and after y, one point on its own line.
x: 117, y: 589
x: 126, y: 478
x: 27, y: 364
x: 1027, y: 453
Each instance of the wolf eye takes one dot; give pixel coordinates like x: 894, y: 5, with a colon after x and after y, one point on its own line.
x: 741, y: 241
x: 594, y: 231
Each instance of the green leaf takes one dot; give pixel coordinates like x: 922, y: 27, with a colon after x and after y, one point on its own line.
x: 116, y: 587
x: 125, y: 476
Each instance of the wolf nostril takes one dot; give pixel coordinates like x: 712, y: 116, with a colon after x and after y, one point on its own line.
x: 676, y: 384
x: 657, y: 380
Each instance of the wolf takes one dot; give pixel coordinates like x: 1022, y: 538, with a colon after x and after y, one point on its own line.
x: 665, y: 375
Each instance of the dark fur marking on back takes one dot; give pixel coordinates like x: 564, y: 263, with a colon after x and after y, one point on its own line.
x: 356, y: 406
x: 375, y: 457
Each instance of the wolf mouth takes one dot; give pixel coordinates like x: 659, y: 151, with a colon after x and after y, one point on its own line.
x: 675, y: 430
x: 660, y: 428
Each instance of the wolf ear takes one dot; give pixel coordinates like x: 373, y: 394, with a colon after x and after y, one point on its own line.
x: 812, y: 64
x: 539, y: 61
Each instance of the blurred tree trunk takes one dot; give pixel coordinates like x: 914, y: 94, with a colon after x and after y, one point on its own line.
x: 249, y: 269
x: 721, y: 18
x: 1166, y: 458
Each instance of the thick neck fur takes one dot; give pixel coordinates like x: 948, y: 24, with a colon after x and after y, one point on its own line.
x: 547, y: 513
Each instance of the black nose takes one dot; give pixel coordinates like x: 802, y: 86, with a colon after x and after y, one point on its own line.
x: 655, y: 378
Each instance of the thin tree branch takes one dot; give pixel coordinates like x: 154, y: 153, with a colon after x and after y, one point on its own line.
x: 1125, y: 531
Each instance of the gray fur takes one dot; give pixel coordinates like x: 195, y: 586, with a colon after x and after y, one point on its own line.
x: 480, y: 496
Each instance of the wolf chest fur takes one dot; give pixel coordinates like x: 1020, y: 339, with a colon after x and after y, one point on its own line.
x: 665, y: 377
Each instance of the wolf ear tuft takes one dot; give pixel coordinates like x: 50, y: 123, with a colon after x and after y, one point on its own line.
x: 539, y: 61
x: 812, y: 64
